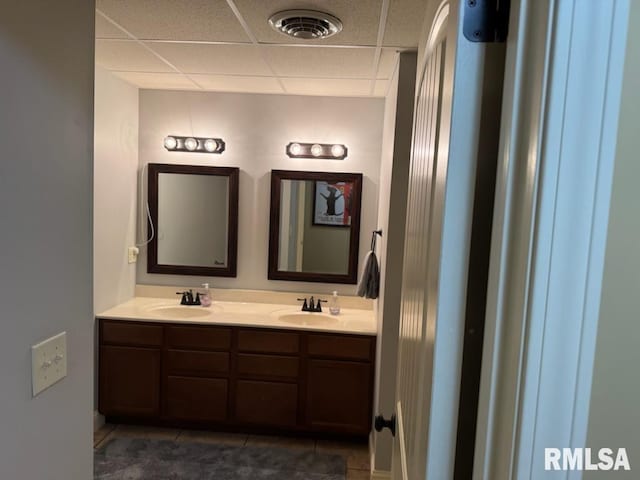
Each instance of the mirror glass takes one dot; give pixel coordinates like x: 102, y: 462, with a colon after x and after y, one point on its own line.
x: 199, y: 205
x: 194, y: 213
x: 318, y: 216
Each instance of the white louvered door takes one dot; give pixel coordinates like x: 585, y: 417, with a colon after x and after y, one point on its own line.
x: 437, y: 242
x: 420, y: 272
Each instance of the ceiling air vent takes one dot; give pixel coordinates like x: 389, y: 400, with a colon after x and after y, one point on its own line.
x: 305, y: 24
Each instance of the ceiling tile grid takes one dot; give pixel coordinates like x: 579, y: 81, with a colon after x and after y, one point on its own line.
x: 128, y: 56
x: 213, y: 59
x: 162, y: 81
x: 190, y: 20
x: 228, y: 45
x: 320, y: 62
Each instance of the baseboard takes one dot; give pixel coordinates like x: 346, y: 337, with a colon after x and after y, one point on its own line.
x: 98, y: 421
x: 380, y: 475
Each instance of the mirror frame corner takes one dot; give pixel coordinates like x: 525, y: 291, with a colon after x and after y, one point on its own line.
x: 351, y: 277
x: 233, y: 174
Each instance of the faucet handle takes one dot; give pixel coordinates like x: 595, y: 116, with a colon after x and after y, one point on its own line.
x: 185, y: 299
x: 305, y: 306
x: 319, y: 305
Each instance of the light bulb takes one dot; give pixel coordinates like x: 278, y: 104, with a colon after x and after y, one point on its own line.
x: 316, y: 150
x: 337, y: 151
x: 170, y: 143
x: 191, y: 144
x: 210, y: 145
x: 295, y: 149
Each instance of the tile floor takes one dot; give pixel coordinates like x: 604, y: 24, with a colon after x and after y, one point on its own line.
x: 356, y: 454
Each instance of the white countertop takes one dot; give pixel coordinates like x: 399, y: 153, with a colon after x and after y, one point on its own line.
x: 243, y: 314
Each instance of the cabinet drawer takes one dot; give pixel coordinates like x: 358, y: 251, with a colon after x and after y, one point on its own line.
x: 138, y: 334
x: 266, y: 403
x: 339, y: 346
x: 202, y: 399
x: 186, y: 362
x: 268, y: 365
x: 268, y: 342
x: 199, y: 338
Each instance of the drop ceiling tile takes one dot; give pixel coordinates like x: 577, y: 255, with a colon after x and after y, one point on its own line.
x: 339, y: 87
x: 321, y: 62
x: 360, y: 19
x: 105, y: 29
x: 388, y: 59
x: 123, y: 55
x: 213, y: 59
x: 162, y: 81
x: 381, y: 87
x: 404, y: 22
x: 244, y: 84
x: 204, y: 20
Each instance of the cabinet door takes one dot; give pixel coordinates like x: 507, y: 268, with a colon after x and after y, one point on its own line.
x: 129, y: 381
x: 339, y: 396
x: 197, y: 399
x: 267, y: 403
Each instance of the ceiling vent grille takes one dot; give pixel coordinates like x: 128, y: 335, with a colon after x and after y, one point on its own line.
x: 305, y: 24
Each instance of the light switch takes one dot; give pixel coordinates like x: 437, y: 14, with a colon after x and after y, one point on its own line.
x: 133, y: 254
x: 49, y: 362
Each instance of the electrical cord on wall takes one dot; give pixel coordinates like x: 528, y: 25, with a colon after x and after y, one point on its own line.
x: 148, y: 210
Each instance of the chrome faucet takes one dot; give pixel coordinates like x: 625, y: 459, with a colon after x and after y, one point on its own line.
x: 311, y: 305
x: 187, y: 298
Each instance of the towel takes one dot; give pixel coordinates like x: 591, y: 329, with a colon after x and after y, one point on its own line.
x: 369, y: 286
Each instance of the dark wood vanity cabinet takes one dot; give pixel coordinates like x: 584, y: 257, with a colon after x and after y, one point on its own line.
x: 130, y: 364
x: 236, y: 378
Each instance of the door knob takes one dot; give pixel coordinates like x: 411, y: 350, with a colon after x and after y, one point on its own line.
x: 380, y: 424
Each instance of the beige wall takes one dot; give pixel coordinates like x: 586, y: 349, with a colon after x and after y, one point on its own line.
x: 46, y: 132
x: 256, y: 129
x: 115, y: 184
x: 614, y: 417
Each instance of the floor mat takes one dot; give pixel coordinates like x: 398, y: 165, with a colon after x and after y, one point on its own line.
x: 145, y: 459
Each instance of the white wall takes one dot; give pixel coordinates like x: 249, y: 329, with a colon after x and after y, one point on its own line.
x: 614, y: 420
x: 256, y: 129
x: 392, y: 209
x: 115, y: 186
x: 46, y: 132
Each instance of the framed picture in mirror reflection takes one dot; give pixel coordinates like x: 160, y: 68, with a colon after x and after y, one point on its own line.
x: 332, y: 203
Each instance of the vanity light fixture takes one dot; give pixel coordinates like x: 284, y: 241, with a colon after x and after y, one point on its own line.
x: 327, y: 151
x: 174, y: 143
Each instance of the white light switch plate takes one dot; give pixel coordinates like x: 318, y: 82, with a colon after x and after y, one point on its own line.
x: 132, y: 254
x: 49, y: 362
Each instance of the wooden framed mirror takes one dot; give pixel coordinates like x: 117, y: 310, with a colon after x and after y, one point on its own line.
x: 314, y: 229
x: 194, y: 220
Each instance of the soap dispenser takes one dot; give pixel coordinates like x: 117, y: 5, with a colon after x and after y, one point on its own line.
x: 334, y: 304
x: 205, y: 295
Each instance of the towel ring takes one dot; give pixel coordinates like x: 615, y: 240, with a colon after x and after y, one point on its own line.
x: 374, y: 237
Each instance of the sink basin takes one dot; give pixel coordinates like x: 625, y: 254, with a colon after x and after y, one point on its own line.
x: 309, y: 319
x: 181, y: 311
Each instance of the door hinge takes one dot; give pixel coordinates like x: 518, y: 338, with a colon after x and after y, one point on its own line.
x: 486, y: 21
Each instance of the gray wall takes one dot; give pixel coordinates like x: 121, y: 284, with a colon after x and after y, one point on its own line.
x: 256, y: 129
x: 614, y: 419
x: 46, y: 132
x: 394, y: 175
